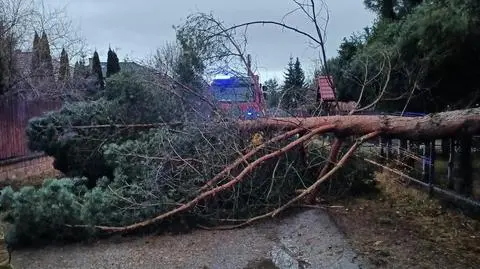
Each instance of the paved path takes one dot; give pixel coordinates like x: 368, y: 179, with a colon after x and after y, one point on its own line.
x: 307, y: 239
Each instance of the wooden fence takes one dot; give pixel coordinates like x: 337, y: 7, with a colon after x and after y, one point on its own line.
x: 15, y: 113
x: 450, y: 170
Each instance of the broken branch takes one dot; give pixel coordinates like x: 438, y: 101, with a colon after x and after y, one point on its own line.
x: 216, y: 190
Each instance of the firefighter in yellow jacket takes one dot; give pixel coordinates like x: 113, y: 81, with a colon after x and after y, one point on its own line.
x: 257, y: 139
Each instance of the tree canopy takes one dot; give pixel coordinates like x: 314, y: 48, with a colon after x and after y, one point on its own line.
x: 46, y: 64
x: 113, y: 65
x: 293, y: 93
x: 273, y: 92
x: 7, y: 44
x: 425, y: 50
x: 64, y: 70
x: 97, y: 71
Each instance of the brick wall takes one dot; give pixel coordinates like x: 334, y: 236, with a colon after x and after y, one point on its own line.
x: 26, y: 169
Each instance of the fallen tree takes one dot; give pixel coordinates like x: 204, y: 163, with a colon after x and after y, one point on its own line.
x: 438, y: 125
x: 447, y: 124
x: 163, y: 166
x: 176, y: 168
x: 207, y: 171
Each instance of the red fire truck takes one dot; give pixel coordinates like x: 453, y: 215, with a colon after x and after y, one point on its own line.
x: 239, y: 96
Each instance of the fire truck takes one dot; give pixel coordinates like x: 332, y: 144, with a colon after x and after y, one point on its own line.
x: 239, y: 96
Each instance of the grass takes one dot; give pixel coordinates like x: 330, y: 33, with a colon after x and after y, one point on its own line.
x: 402, y: 227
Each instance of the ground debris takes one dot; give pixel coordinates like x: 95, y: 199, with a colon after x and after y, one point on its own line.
x: 402, y: 228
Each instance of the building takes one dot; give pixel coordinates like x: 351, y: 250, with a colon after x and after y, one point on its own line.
x: 325, y: 92
x: 22, y: 79
x: 326, y: 97
x: 124, y: 66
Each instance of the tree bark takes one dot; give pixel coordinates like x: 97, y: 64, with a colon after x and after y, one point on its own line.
x: 440, y: 125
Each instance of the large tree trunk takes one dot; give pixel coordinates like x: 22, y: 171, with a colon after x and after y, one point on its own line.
x: 440, y: 125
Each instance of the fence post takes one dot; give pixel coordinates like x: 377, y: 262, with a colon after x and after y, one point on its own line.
x: 399, y: 150
x: 389, y: 148
x: 409, y: 160
x: 431, y: 176
x: 445, y: 147
x: 382, y: 150
x: 451, y: 164
x: 402, y: 147
x: 466, y: 166
x: 424, y: 162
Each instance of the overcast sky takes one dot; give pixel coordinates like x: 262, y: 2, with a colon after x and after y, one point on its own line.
x: 137, y: 28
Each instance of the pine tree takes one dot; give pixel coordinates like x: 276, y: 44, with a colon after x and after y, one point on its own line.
x: 83, y: 69
x: 8, y: 69
x: 113, y: 65
x: 299, y: 74
x: 392, y: 9
x: 45, y: 57
x: 293, y: 89
x: 35, y: 67
x: 273, y: 94
x: 80, y: 71
x: 189, y: 67
x: 4, y: 72
x: 76, y: 70
x: 64, y: 72
x: 116, y: 63
x: 387, y: 9
x: 97, y: 70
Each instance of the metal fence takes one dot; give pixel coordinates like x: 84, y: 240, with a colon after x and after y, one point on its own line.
x: 15, y: 113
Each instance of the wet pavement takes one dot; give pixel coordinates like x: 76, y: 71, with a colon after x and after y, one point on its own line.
x: 303, y: 240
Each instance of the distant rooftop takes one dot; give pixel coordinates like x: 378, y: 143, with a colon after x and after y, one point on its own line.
x: 124, y: 66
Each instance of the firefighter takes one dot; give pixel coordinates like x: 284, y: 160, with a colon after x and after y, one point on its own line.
x: 257, y: 139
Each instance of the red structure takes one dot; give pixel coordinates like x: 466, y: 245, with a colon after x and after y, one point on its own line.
x: 241, y: 97
x: 14, y: 116
x: 325, y: 89
x: 326, y: 94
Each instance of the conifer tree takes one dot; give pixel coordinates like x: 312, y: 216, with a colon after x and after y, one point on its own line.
x: 113, y: 65
x: 293, y: 89
x: 80, y: 71
x: 97, y: 70
x: 4, y: 72
x: 35, y: 67
x: 46, y: 64
x: 5, y: 57
x: 64, y: 71
x: 299, y: 74
x: 273, y: 94
x: 76, y: 70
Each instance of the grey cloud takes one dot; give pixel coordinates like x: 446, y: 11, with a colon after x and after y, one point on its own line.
x: 139, y: 27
